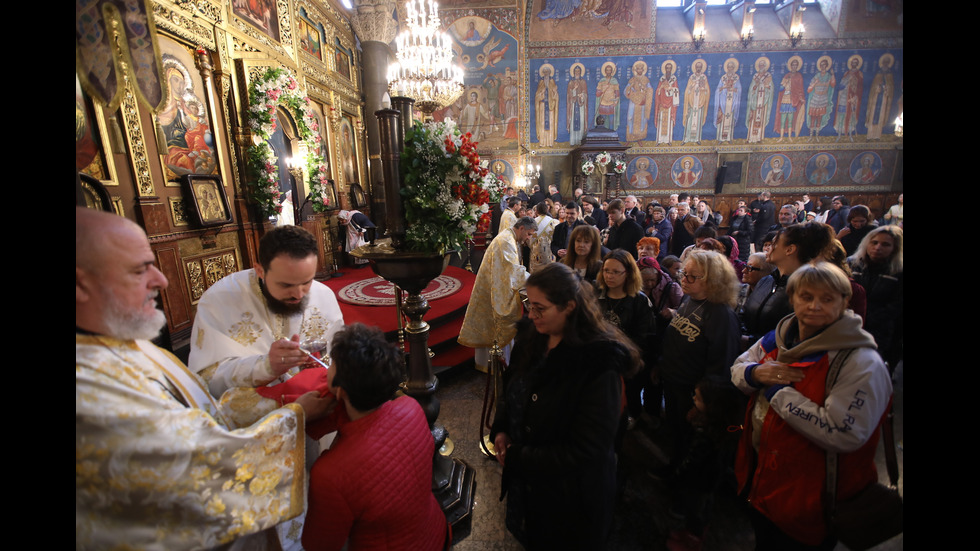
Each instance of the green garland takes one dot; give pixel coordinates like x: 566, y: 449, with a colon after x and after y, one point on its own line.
x: 278, y: 87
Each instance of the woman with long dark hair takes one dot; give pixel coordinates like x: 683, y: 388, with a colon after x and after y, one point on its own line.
x: 623, y: 303
x: 555, y: 428
x: 859, y: 223
x: 794, y: 246
x: 584, y: 252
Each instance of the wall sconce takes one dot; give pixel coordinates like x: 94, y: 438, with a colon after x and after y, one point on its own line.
x: 796, y: 35
x: 796, y: 28
x: 746, y: 36
x: 699, y: 35
x: 900, y: 124
x: 698, y: 32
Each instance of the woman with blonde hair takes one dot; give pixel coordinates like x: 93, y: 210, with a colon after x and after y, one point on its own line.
x: 701, y: 340
x: 584, y: 252
x: 802, y: 411
x: 878, y: 265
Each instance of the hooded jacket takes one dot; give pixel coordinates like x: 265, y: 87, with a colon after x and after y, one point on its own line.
x: 789, y: 429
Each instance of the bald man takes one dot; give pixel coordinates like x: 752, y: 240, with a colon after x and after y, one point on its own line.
x: 156, y: 462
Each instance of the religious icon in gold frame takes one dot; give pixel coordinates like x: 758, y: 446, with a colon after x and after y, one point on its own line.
x: 208, y: 200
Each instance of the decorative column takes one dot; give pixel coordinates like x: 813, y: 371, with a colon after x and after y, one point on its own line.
x: 376, y: 29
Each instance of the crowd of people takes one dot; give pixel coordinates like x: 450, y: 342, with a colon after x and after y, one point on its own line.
x: 758, y: 353
x: 722, y: 338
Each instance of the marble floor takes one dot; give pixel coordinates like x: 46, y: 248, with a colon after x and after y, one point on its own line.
x: 642, y: 521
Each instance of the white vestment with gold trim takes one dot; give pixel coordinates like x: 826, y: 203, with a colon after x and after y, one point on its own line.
x: 234, y: 329
x: 495, y: 305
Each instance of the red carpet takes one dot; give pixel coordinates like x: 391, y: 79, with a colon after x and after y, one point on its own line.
x: 445, y: 315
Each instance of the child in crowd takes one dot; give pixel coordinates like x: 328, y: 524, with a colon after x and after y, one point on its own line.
x: 715, y: 417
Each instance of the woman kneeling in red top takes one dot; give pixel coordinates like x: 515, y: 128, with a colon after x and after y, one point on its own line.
x: 373, y: 487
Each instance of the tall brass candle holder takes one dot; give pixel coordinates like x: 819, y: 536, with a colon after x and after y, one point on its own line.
x: 453, y: 481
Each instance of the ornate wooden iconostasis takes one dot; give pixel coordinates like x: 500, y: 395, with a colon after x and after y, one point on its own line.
x: 210, y: 53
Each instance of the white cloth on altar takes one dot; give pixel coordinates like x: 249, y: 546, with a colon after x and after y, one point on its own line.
x: 234, y: 329
x: 157, y: 467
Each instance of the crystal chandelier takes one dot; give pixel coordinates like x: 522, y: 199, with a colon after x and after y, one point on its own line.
x: 424, y: 71
x: 529, y: 172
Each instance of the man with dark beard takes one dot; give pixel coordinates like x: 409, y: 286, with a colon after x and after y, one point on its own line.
x: 250, y: 324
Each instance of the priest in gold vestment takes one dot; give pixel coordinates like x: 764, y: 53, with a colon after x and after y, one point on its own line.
x: 156, y: 463
x: 495, y: 305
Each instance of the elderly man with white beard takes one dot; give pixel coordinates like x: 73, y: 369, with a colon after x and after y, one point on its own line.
x: 156, y: 462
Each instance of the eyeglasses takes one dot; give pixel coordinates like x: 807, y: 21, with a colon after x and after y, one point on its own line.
x: 752, y: 268
x: 535, y: 310
x: 690, y: 278
x: 613, y: 272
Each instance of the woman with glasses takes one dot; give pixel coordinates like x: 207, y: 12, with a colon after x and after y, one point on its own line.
x: 701, y: 340
x: 756, y: 268
x: 623, y: 303
x: 555, y: 427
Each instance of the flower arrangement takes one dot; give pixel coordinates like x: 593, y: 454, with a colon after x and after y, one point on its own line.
x: 588, y: 167
x: 446, y: 188
x: 603, y: 158
x: 493, y: 184
x: 274, y: 87
x: 619, y: 166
